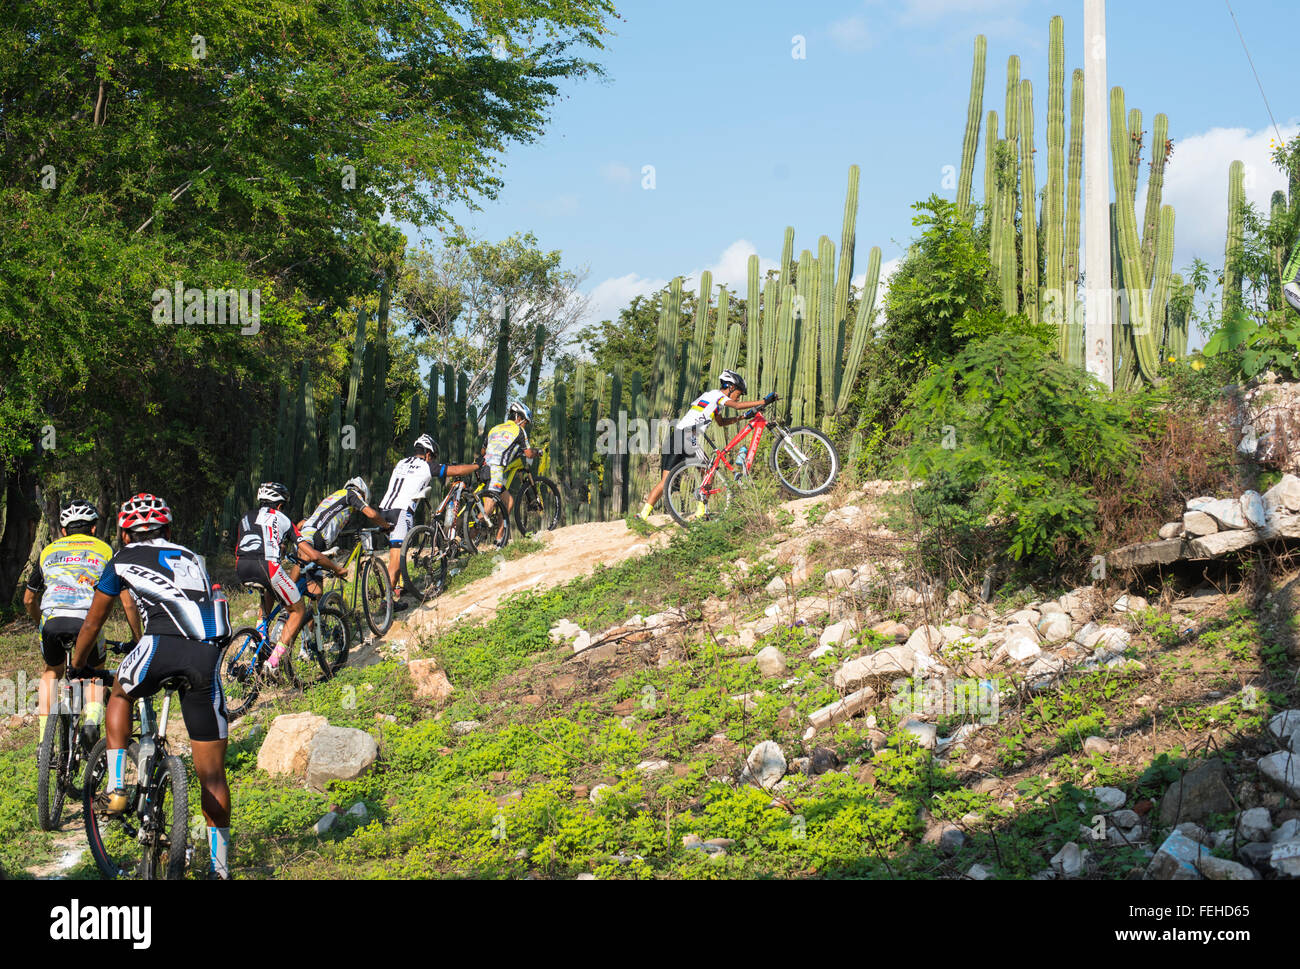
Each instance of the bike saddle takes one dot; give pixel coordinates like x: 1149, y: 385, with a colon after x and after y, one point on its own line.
x: 177, y: 682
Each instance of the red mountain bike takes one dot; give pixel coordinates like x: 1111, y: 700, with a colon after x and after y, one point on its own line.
x: 803, y: 459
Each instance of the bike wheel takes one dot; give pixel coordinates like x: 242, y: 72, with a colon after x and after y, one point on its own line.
x: 805, y: 461
x: 52, y: 771
x: 539, y: 509
x: 164, y: 855
x: 331, y: 654
x: 422, y: 561
x: 685, y: 492
x: 114, y: 841
x: 376, y: 596
x: 241, y: 670
x: 473, y: 526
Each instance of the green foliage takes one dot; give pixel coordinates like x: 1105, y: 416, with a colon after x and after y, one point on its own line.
x: 1002, y: 435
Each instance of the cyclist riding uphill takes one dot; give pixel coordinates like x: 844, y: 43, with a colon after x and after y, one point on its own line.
x: 319, y: 530
x: 262, y: 534
x: 684, y: 442
x: 58, y: 594
x: 185, y: 625
x: 407, y: 485
x: 504, y: 452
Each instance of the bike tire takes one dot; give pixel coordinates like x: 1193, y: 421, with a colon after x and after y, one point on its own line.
x: 376, y: 597
x: 473, y: 533
x: 805, y: 461
x: 52, y: 771
x: 241, y: 669
x: 423, y: 568
x: 112, y: 840
x: 332, y: 655
x: 165, y: 859
x: 682, y: 491
x: 539, y: 509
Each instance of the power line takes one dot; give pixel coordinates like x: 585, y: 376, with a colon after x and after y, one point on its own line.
x: 1251, y: 60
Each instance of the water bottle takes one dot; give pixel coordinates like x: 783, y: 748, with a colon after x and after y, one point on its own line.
x: 740, y: 460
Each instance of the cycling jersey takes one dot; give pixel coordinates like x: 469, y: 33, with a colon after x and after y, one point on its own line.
x: 504, y: 444
x: 409, y: 482
x: 170, y: 586
x: 322, y: 527
x: 702, y: 411
x: 261, y: 534
x: 66, y: 573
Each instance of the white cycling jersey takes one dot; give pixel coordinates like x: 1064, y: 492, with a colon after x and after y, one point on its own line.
x: 409, y: 482
x: 702, y: 411
x: 263, y: 533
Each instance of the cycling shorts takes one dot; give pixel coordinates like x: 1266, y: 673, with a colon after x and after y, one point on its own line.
x: 158, y: 658
x: 402, y: 522
x: 272, y: 576
x: 502, y: 475
x: 681, y: 446
x: 59, y: 636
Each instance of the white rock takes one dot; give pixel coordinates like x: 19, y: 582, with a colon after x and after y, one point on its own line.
x: 1068, y: 862
x: 776, y: 587
x: 581, y: 641
x: 1087, y: 636
x: 953, y: 634
x: 1285, y: 858
x: 1055, y: 627
x: 1225, y: 870
x: 1255, y: 824
x: 1128, y: 603
x: 926, y: 639
x: 1096, y: 745
x: 1285, y: 725
x: 765, y: 765
x: 839, y: 578
x: 926, y: 734
x: 1197, y: 524
x: 1284, y: 494
x: 1020, y: 648
x: 1112, y: 638
x: 842, y: 710
x: 979, y: 873
x: 1252, y: 509
x: 773, y: 610
x: 821, y: 651
x: 1283, y: 769
x: 1026, y: 617
x: 1172, y: 530
x: 771, y: 661
x: 564, y: 630
x: 1289, y: 831
x: 887, y: 664
x: 653, y: 766
x: 837, y: 633
x: 1110, y: 798
x: 462, y: 727
x: 1227, y: 512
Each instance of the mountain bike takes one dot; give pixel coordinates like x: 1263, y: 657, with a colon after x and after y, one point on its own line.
x: 323, y: 644
x: 369, y: 592
x: 478, y: 530
x: 538, y: 506
x: 429, y: 552
x: 149, y: 839
x: 803, y: 459
x: 62, y: 750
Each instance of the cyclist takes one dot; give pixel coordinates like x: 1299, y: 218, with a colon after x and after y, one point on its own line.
x: 185, y: 624
x: 262, y: 533
x: 319, y: 530
x: 407, y: 485
x: 684, y: 442
x: 504, y: 452
x: 63, y: 583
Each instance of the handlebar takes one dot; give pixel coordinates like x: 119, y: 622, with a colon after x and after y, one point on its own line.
x: 119, y: 647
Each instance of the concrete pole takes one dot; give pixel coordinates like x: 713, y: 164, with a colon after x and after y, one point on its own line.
x: 1098, y: 299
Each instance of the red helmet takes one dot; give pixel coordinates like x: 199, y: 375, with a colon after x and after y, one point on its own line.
x: 143, y: 513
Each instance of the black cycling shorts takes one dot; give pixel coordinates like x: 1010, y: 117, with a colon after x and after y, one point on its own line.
x: 681, y: 446
x: 272, y: 576
x: 157, y: 658
x: 59, y: 636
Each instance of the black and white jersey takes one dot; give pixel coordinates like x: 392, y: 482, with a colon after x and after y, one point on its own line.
x: 408, y: 483
x: 323, y: 525
x: 262, y: 532
x: 170, y: 586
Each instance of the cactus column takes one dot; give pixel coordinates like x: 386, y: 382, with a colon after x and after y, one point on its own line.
x: 1143, y: 333
x: 971, y: 141
x: 1236, y: 233
x: 1054, y: 203
x: 1029, y: 192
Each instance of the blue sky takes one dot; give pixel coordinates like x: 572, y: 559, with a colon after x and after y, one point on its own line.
x: 746, y: 139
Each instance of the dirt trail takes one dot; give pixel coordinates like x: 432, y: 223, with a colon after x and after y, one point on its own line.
x: 570, y: 552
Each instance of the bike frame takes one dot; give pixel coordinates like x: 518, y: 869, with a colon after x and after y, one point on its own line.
x: 755, y: 427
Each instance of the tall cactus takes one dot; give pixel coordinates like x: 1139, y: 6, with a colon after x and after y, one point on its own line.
x: 1176, y: 329
x: 992, y: 168
x: 731, y: 345
x: 1029, y: 193
x: 666, y: 366
x: 1054, y: 203
x: 1236, y: 235
x: 1155, y: 189
x: 501, y: 373
x: 753, y: 324
x: 844, y: 275
x: 971, y: 142
x: 785, y: 338
x: 1135, y: 149
x: 695, y: 352
x: 861, y: 331
x: 1139, y: 328
x: 354, y: 385
x: 1005, y: 258
x: 1073, y: 352
x: 829, y: 344
x: 771, y: 310
x: 1162, y: 272
x: 787, y: 254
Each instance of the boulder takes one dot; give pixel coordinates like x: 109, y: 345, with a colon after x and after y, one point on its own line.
x: 1019, y: 647
x: 926, y: 639
x: 1199, y: 794
x: 462, y: 727
x: 949, y: 838
x: 1285, y: 858
x: 764, y: 766
x: 1197, y: 524
x: 1055, y: 627
x: 888, y: 664
x: 287, y: 746
x: 653, y: 766
x: 892, y: 630
x: 837, y: 633
x: 1285, y: 725
x: 1283, y: 770
x: 564, y: 630
x: 1128, y: 603
x: 1224, y: 870
x: 1087, y: 636
x: 1212, y: 546
x: 1112, y: 638
x: 1110, y: 798
x: 926, y: 734
x: 1227, y: 512
x: 1096, y: 745
x: 339, y: 754
x: 1068, y: 862
x: 1285, y: 494
x: 771, y: 661
x: 1172, y: 530
x: 1252, y: 509
x: 1177, y: 859
x: 821, y: 651
x: 1146, y: 553
x: 326, y: 822
x: 776, y: 587
x: 431, y: 683
x: 952, y: 634
x: 839, y: 578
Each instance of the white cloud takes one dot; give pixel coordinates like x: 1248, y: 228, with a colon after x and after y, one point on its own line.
x: 1196, y: 184
x: 617, y: 173
x: 614, y: 294
x: 852, y: 34
x: 557, y: 207
x: 887, y: 270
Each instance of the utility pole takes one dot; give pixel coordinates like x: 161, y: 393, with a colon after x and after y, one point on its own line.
x: 1098, y: 299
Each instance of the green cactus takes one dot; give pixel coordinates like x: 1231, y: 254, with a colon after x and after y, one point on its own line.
x: 1155, y: 189
x: 1054, y: 203
x: 731, y: 346
x: 861, y: 331
x: 1139, y: 328
x: 1073, y: 353
x: 787, y: 254
x: 1006, y: 231
x: 771, y: 310
x: 447, y: 433
x: 753, y: 323
x: 1236, y: 234
x: 1176, y: 329
x: 1162, y: 273
x: 666, y: 365
x: 501, y: 373
x: 971, y: 142
x: 828, y: 334
x: 784, y: 346
x: 1134, y: 149
x: 844, y: 274
x: 695, y: 348
x: 1029, y: 192
x: 992, y: 210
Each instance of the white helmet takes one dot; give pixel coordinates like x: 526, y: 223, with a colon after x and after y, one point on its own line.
x: 731, y: 377
x: 272, y: 493
x: 359, y: 484
x: 521, y: 409
x: 78, y: 510
x: 425, y: 443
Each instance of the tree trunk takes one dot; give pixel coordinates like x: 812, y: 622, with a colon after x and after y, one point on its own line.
x: 22, y: 515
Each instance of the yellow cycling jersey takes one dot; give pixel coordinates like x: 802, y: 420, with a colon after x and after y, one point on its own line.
x: 504, y: 443
x: 66, y: 573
